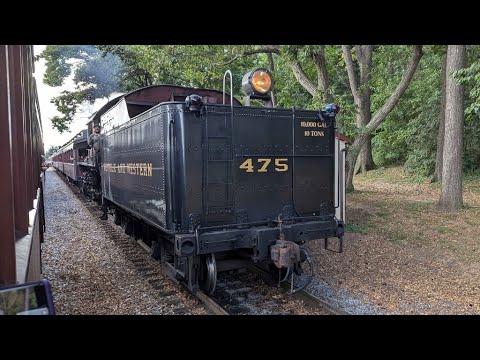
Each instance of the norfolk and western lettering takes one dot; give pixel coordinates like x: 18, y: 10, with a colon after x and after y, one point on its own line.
x: 139, y: 169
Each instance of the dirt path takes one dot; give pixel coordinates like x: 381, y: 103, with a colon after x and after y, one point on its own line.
x: 402, y: 254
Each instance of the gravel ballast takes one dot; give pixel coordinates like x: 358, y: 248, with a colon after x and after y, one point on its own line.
x: 90, y: 273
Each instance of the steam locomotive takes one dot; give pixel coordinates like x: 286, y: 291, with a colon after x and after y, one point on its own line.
x: 212, y: 185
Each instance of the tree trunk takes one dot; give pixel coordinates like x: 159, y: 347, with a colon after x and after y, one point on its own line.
x: 272, y: 70
x: 321, y: 88
x: 302, y: 78
x: 363, y: 118
x: 322, y: 75
x: 437, y: 175
x: 360, y: 140
x: 362, y: 97
x: 366, y: 157
x: 350, y: 159
x: 451, y: 198
x: 364, y: 55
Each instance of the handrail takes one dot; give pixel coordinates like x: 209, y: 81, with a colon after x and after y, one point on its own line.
x: 231, y: 87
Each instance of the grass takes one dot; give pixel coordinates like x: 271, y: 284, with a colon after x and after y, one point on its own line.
x: 472, y: 183
x: 396, y: 235
x: 356, y: 228
x: 470, y: 222
x: 403, y: 209
x: 396, y: 175
x: 443, y: 229
x: 392, y: 175
x: 418, y: 206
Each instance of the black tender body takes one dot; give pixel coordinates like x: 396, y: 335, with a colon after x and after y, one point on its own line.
x: 181, y: 172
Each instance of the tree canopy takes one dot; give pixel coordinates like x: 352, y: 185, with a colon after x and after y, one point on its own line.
x: 95, y: 75
x: 305, y: 77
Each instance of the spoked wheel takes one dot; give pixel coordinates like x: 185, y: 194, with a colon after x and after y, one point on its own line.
x: 207, y: 277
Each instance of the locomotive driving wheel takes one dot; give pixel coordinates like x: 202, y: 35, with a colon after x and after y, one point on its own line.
x: 207, y: 275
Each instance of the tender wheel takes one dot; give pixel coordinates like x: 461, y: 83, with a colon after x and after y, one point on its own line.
x: 127, y: 225
x: 117, y: 219
x: 207, y: 277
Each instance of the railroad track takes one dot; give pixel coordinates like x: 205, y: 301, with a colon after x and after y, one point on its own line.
x: 232, y: 296
x: 315, y: 301
x: 148, y: 267
x: 252, y: 292
x: 306, y: 297
x: 211, y: 304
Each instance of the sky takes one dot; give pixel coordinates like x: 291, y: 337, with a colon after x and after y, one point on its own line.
x: 51, y: 137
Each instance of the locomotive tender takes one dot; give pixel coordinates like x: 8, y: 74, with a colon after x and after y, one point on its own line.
x: 211, y: 185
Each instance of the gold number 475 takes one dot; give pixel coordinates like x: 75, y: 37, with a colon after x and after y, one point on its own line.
x: 280, y: 165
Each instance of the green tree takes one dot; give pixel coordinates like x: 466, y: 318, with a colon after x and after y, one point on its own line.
x: 199, y: 66
x: 51, y: 151
x: 411, y: 134
x: 367, y: 81
x: 310, y: 67
x: 407, y: 135
x: 94, y: 75
x: 470, y: 78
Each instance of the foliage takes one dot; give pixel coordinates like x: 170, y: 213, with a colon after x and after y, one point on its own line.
x: 95, y: 76
x: 471, y: 144
x: 51, y: 151
x: 470, y: 77
x: 406, y: 137
x: 200, y: 66
x: 288, y: 91
x: 291, y: 94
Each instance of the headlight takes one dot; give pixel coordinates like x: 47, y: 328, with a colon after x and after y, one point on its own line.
x: 258, y: 82
x: 194, y: 102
